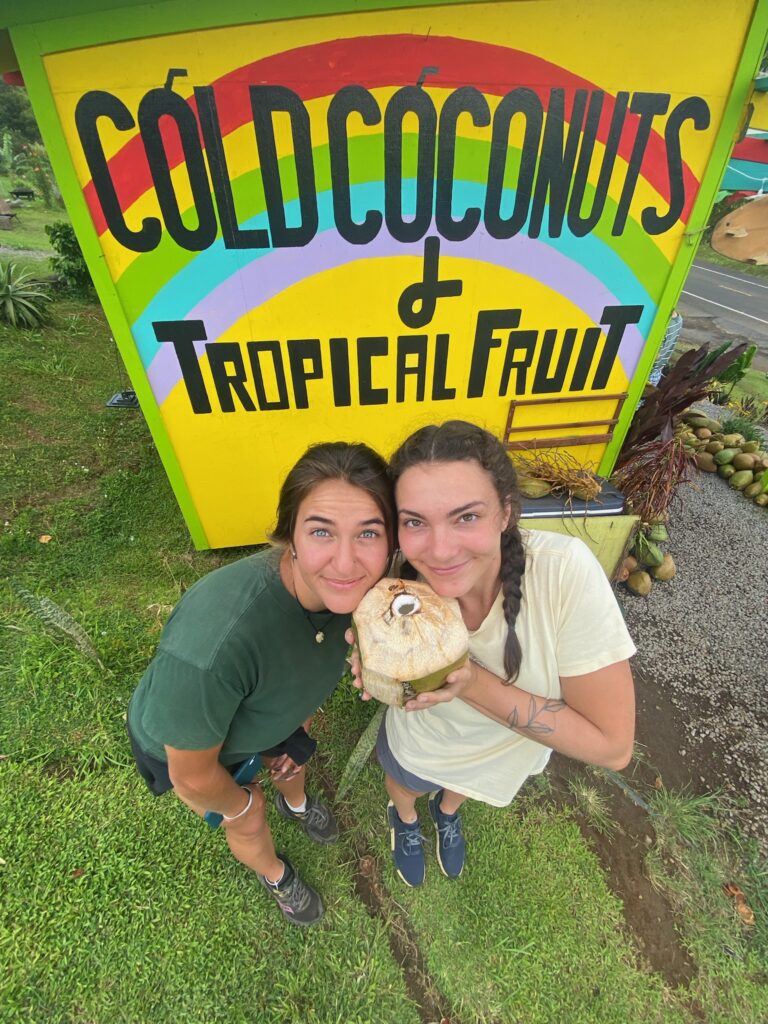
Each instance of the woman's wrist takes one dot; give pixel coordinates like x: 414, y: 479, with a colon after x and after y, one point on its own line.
x: 244, y: 811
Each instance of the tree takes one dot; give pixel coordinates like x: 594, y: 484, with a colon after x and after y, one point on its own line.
x: 16, y: 115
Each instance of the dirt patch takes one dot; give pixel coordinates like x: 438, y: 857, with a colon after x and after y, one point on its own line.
x: 665, y: 760
x: 380, y: 905
x: 647, y: 912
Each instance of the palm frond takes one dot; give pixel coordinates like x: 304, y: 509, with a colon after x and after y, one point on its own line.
x: 53, y: 615
x: 361, y: 753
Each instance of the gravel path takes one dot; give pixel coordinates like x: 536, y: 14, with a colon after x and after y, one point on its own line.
x: 702, y: 638
x: 36, y: 254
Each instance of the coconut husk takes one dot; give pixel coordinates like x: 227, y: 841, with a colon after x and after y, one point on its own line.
x: 409, y: 639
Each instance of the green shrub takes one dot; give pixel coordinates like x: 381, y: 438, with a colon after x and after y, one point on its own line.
x: 22, y: 303
x: 69, y: 264
x: 32, y: 168
x: 752, y: 408
x: 6, y: 153
x: 740, y: 425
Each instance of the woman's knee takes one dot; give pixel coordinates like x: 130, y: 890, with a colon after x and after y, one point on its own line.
x: 253, y: 825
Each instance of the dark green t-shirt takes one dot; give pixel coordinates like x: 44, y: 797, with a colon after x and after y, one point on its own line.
x: 237, y: 662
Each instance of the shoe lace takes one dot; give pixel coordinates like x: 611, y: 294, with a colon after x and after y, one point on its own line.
x: 411, y: 840
x: 316, y: 814
x: 450, y: 832
x: 294, y: 895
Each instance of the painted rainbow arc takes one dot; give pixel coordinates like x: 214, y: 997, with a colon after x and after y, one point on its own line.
x: 596, y: 272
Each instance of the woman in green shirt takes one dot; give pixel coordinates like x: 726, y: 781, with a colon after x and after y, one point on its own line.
x: 253, y: 649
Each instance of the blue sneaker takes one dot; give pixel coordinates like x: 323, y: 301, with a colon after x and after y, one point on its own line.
x: 407, y: 847
x: 450, y: 841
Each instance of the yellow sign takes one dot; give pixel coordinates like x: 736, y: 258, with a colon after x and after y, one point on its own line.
x: 345, y: 227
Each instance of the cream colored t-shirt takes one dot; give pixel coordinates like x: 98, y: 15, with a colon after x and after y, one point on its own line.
x: 569, y: 624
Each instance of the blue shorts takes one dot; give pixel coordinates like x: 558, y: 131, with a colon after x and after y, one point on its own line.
x: 395, y: 770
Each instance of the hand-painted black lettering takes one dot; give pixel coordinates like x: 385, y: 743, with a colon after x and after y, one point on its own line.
x: 409, y: 100
x: 350, y: 98
x: 369, y: 349
x: 556, y: 163
x: 183, y: 334
x: 521, y: 348
x: 234, y: 236
x: 692, y: 109
x: 583, y: 365
x: 416, y: 305
x: 648, y: 105
x: 255, y: 348
x: 488, y: 320
x: 267, y: 100
x: 222, y: 354
x: 466, y: 100
x: 579, y: 223
x: 543, y: 383
x: 306, y: 363
x: 164, y: 107
x: 441, y: 393
x: 340, y: 371
x: 527, y: 103
x: 411, y: 345
x: 90, y: 108
x: 618, y: 319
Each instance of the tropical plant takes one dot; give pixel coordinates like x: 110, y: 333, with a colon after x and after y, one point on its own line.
x: 53, y: 615
x: 743, y: 426
x: 361, y: 753
x: 737, y: 368
x: 22, y: 303
x: 685, y: 383
x: 752, y: 408
x: 650, y: 475
x: 69, y: 264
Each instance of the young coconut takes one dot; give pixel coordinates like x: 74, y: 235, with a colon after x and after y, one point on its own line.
x: 666, y: 570
x: 640, y: 583
x: 409, y: 639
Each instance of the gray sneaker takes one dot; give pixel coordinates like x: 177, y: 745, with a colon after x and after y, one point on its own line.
x: 317, y: 821
x: 298, y: 902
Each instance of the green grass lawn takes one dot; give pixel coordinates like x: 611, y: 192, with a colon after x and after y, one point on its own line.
x: 121, y: 909
x: 28, y: 231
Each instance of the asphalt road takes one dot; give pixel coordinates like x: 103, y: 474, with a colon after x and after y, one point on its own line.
x: 737, y: 302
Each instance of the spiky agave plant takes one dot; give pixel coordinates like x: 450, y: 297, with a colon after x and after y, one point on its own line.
x: 22, y: 302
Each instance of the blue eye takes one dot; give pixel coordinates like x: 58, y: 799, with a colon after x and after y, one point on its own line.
x: 369, y: 534
x: 411, y: 524
x: 320, y: 532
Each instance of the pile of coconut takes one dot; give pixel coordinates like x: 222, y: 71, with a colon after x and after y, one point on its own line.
x: 647, y: 561
x: 742, y: 463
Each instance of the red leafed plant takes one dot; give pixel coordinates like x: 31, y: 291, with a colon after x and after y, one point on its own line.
x: 650, y: 476
x: 686, y: 382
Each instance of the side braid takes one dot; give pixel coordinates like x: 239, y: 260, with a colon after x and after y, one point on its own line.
x: 512, y: 569
x: 459, y: 441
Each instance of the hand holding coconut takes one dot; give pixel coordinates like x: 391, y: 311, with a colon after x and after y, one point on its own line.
x: 408, y: 639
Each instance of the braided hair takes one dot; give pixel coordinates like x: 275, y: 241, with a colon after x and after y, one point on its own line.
x: 459, y: 441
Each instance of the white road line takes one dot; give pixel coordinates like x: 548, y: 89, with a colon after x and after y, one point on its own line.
x: 729, y: 308
x: 727, y: 288
x: 709, y: 270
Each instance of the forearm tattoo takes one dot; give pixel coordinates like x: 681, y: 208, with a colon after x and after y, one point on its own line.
x: 534, y: 725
